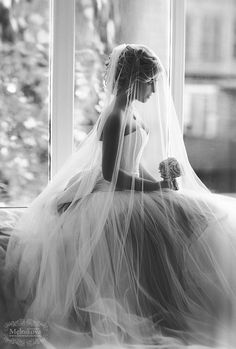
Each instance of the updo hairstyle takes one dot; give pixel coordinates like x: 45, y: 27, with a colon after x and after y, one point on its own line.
x: 135, y: 63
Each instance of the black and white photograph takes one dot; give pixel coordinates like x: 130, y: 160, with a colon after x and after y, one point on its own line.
x: 117, y: 174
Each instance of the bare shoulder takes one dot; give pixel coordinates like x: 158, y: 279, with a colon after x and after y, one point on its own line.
x: 112, y: 125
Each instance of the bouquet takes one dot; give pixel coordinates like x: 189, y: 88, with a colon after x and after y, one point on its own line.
x: 170, y: 170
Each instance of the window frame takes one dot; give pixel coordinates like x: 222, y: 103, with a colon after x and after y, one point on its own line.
x: 62, y: 82
x: 62, y: 64
x: 62, y: 74
x: 177, y: 55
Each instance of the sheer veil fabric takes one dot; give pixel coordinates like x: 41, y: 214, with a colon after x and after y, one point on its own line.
x: 106, y: 267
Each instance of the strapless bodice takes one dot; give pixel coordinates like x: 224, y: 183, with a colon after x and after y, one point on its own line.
x: 133, y: 146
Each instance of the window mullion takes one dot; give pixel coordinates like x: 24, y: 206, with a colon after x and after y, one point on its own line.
x: 62, y: 81
x: 177, y: 63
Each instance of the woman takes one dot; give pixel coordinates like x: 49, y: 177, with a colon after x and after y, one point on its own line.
x: 109, y: 254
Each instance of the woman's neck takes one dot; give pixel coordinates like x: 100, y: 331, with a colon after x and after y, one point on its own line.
x: 122, y: 101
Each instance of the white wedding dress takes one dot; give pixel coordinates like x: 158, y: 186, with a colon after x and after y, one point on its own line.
x: 166, y: 281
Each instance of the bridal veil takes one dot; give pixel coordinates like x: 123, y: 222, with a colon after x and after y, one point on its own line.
x: 70, y: 255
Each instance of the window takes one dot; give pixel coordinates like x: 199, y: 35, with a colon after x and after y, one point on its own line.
x: 190, y: 29
x: 210, y: 93
x: 201, y: 114
x: 99, y: 27
x: 234, y: 38
x: 35, y: 24
x: 169, y: 31
x: 211, y: 28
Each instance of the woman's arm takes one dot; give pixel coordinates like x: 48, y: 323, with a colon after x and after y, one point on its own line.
x: 125, y: 181
x: 111, y: 135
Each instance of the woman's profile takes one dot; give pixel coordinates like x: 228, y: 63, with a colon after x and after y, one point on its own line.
x: 126, y: 246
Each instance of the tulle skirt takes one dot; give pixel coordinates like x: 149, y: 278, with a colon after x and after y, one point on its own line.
x: 160, y: 274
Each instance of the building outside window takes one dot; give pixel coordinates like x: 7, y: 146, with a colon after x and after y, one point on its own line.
x: 234, y: 37
x: 210, y: 92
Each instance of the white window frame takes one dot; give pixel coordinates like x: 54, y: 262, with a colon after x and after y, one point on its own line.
x: 62, y: 81
x: 62, y: 49
x: 62, y: 73
x: 177, y: 55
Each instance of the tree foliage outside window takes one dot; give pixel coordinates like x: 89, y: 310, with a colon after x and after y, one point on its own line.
x: 24, y: 65
x: 24, y: 70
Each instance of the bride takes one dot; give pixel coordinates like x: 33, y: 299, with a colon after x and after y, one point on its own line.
x: 111, y: 254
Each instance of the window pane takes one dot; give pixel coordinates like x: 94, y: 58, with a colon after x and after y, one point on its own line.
x: 99, y: 27
x: 24, y: 39
x: 210, y: 92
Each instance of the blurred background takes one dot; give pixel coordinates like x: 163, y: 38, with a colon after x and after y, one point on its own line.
x: 24, y: 96
x: 209, y: 95
x: 210, y: 92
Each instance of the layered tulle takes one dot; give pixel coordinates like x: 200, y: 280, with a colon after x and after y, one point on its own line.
x: 107, y: 268
x: 165, y: 279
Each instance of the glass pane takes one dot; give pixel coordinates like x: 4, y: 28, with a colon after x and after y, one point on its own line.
x: 101, y: 25
x: 24, y: 66
x: 210, y: 92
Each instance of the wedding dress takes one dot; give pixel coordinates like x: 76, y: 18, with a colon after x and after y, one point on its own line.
x: 155, y: 283
x: 108, y: 268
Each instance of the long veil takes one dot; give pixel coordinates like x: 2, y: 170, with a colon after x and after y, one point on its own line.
x: 71, y: 264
